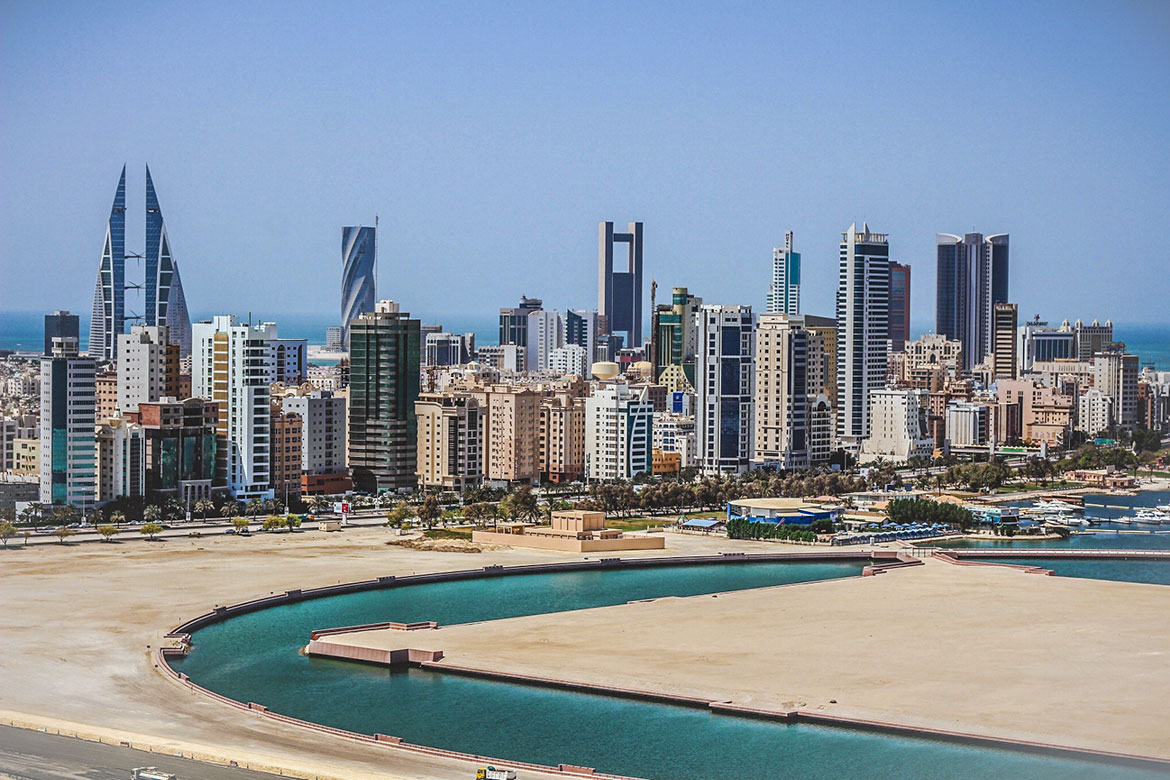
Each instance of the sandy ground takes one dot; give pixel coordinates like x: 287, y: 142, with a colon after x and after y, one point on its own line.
x: 78, y: 621
x: 977, y: 649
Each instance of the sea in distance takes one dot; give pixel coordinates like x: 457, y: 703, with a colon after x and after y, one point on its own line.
x: 22, y: 330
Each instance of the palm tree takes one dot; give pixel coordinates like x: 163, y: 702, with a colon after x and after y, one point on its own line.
x: 318, y: 503
x: 34, y: 513
x: 151, y: 514
x: 117, y: 518
x: 203, y: 506
x: 254, y: 507
x: 229, y: 509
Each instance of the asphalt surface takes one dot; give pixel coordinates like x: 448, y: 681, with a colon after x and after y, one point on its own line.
x: 33, y: 755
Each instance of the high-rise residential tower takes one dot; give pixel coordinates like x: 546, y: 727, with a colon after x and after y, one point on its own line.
x: 781, y: 428
x: 619, y: 293
x: 68, y: 419
x: 358, y: 264
x: 383, y: 387
x: 724, y: 385
x: 899, y: 306
x: 108, y: 319
x: 148, y: 366
x: 972, y: 278
x: 1003, y: 341
x: 59, y: 324
x: 863, y: 312
x: 618, y: 433
x: 234, y: 364
x: 784, y: 292
x: 165, y: 302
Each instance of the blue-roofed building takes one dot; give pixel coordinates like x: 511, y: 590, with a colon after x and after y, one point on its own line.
x: 781, y: 510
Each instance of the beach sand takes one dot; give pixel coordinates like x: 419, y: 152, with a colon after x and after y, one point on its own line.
x: 79, y: 622
x: 986, y: 650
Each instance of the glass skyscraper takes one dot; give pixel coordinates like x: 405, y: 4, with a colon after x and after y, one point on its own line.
x: 972, y: 278
x: 358, y: 259
x: 165, y: 303
x: 784, y: 292
x: 108, y: 319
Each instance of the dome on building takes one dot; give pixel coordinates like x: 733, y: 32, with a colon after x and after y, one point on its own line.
x: 606, y: 369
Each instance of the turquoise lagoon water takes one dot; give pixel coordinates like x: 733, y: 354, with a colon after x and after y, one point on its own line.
x: 255, y: 657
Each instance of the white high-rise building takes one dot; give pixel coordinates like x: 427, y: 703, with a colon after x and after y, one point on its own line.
x: 546, y: 332
x: 322, y: 430
x: 68, y: 422
x: 234, y: 365
x: 898, y: 425
x: 784, y: 292
x: 142, y: 366
x: 1115, y: 374
x: 781, y: 429
x: 619, y: 426
x: 676, y: 433
x: 1095, y: 412
x: 967, y: 423
x: 724, y: 388
x: 863, y: 310
x: 571, y: 359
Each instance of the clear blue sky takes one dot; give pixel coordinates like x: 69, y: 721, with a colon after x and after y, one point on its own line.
x: 492, y: 137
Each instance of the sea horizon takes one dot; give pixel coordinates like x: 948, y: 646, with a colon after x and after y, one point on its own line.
x: 22, y: 330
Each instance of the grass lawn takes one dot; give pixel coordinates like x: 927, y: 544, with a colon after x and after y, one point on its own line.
x: 1019, y: 487
x: 445, y: 533
x: 642, y: 523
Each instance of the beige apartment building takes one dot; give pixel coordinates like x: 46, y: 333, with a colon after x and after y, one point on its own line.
x: 450, y: 440
x: 511, y: 443
x: 562, y: 438
x: 1045, y: 414
x: 106, y: 384
x: 26, y: 456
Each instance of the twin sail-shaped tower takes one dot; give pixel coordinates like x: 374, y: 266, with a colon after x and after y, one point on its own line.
x: 163, y: 297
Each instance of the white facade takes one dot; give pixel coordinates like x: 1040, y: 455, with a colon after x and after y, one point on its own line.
x: 619, y: 426
x: 898, y: 428
x: 322, y: 430
x: 863, y: 311
x: 676, y: 433
x: 142, y: 366
x: 569, y: 359
x: 780, y: 429
x: 1095, y: 412
x: 234, y: 364
x: 1115, y: 374
x: 966, y: 424
x: 724, y: 379
x: 121, y: 449
x: 546, y: 332
x: 68, y: 420
x: 784, y: 292
x: 502, y: 357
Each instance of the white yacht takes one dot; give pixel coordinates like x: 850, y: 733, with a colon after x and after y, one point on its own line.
x: 1150, y: 517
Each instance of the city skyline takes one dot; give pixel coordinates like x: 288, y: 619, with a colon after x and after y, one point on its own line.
x: 716, y: 192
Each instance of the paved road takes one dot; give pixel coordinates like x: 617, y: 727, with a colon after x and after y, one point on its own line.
x: 33, y: 755
x: 131, y: 533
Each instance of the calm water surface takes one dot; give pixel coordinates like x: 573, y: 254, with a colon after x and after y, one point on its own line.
x: 255, y: 657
